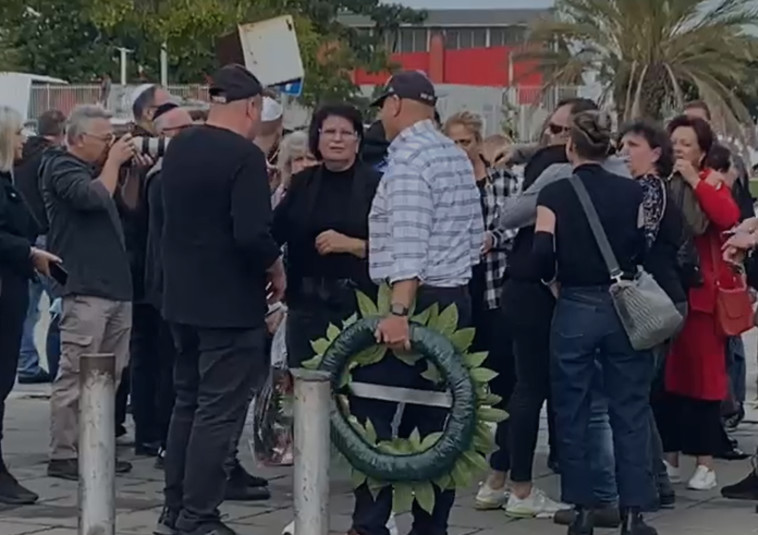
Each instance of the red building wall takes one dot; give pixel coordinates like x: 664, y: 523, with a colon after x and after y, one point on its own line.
x: 472, y: 66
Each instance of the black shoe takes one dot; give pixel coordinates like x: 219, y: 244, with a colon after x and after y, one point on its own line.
x: 166, y: 523
x: 147, y: 449
x: 69, y: 468
x: 240, y: 476
x: 747, y: 489
x: 632, y: 523
x: 732, y: 422
x: 605, y: 517
x: 216, y: 528
x: 552, y: 463
x: 667, y: 500
x: 37, y: 378
x: 584, y: 522
x: 242, y: 493
x: 734, y: 454
x: 160, y: 459
x: 64, y: 469
x: 13, y: 493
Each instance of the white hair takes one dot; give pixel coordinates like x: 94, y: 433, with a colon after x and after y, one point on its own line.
x: 294, y: 145
x: 80, y: 118
x: 10, y: 124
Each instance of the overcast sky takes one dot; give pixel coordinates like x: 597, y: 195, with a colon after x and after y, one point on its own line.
x: 476, y: 4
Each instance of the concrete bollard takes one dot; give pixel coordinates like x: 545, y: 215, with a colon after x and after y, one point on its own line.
x: 312, y: 451
x: 97, y: 445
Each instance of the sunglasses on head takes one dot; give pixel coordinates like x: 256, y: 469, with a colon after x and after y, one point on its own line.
x: 557, y: 129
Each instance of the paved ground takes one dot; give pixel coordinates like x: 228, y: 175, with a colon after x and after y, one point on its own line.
x: 139, y: 494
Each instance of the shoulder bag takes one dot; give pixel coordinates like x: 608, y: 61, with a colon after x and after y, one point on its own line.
x: 646, y: 312
x: 734, y: 311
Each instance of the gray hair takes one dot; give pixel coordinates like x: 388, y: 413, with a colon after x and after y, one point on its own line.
x: 80, y: 118
x: 294, y: 145
x: 10, y: 124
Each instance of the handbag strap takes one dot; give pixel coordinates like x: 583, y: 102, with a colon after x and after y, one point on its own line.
x: 597, y: 228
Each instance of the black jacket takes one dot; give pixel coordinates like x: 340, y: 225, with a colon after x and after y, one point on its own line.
x: 85, y: 230
x: 17, y: 231
x: 152, y: 200
x: 216, y: 244
x: 27, y: 178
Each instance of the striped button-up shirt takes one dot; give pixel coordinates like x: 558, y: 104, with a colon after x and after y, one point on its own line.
x: 426, y: 219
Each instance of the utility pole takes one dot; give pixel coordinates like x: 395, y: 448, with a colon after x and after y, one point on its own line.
x: 164, y: 65
x: 124, y: 51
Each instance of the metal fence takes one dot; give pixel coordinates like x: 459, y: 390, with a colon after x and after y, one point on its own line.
x: 522, y: 110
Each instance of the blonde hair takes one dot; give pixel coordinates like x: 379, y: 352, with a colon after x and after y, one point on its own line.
x: 469, y: 120
x: 294, y: 145
x: 10, y: 124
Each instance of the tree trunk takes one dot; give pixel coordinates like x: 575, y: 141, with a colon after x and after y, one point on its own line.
x: 654, y: 92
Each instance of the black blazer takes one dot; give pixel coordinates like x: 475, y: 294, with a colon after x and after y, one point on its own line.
x: 17, y: 231
x: 294, y: 221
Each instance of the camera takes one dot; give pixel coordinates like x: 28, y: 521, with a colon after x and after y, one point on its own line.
x: 155, y: 147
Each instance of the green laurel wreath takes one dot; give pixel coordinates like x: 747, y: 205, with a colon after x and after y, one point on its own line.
x: 412, y: 466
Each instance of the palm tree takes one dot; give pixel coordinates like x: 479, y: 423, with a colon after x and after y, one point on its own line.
x: 645, y: 52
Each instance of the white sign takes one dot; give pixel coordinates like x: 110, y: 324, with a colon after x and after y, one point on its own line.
x: 270, y: 50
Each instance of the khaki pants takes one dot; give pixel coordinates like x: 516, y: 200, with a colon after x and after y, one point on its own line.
x: 88, y: 325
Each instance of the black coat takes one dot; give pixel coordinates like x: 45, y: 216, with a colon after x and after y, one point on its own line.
x: 17, y: 231
x: 27, y: 179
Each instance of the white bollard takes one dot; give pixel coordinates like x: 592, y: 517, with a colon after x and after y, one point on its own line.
x: 312, y: 451
x: 97, y: 445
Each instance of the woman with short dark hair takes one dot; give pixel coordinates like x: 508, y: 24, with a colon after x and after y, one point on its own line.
x: 323, y: 221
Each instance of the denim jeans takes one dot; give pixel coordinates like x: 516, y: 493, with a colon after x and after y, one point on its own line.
x: 28, y: 360
x: 586, y: 331
x: 735, y: 362
x: 600, y: 449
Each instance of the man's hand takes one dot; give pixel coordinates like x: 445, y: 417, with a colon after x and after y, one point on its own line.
x: 331, y: 241
x: 41, y: 260
x: 688, y: 172
x: 737, y: 245
x: 489, y: 243
x: 142, y: 161
x: 122, y: 150
x: 277, y: 282
x: 394, y: 332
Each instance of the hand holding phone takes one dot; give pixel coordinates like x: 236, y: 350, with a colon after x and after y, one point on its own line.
x: 58, y: 274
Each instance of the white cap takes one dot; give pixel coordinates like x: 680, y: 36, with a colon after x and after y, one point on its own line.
x: 140, y: 89
x: 272, y: 110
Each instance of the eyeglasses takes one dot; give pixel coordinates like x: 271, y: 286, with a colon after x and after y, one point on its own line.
x: 333, y: 133
x: 557, y: 129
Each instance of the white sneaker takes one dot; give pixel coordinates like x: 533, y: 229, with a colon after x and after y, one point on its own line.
x: 536, y: 505
x: 488, y: 498
x: 703, y: 479
x: 675, y: 476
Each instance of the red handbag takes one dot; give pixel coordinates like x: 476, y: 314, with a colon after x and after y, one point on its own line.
x: 734, y: 311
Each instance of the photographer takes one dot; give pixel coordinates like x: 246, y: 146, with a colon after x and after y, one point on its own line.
x: 85, y: 230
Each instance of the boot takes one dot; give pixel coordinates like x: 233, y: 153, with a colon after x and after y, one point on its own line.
x: 11, y: 491
x: 632, y: 523
x: 584, y: 522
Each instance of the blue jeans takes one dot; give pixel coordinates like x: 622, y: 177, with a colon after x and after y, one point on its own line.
x: 586, y: 331
x: 28, y: 361
x: 735, y: 362
x: 602, y: 461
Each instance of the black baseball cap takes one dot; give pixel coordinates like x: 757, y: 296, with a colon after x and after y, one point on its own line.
x: 411, y: 85
x: 233, y: 82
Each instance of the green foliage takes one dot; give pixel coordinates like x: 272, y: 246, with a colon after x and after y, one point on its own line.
x: 77, y: 39
x: 647, y: 51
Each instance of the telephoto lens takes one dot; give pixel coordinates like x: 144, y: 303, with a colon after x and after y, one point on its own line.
x: 155, y: 147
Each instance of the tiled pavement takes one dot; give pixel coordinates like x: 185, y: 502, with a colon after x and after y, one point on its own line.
x: 139, y: 493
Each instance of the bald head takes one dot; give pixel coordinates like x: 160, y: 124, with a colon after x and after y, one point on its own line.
x: 172, y: 122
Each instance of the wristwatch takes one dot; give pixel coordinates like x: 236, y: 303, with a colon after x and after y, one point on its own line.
x: 396, y: 309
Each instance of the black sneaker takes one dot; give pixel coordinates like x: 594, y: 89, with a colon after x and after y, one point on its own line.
x: 38, y: 377
x: 69, y: 468
x: 166, y: 523
x: 747, y: 489
x: 605, y: 517
x: 147, y: 449
x: 240, y: 476
x: 13, y: 493
x: 236, y: 492
x: 215, y: 528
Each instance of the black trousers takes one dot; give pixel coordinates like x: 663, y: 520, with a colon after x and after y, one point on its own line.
x: 152, y: 356
x: 215, y: 371
x: 370, y: 516
x: 528, y: 309
x: 14, y: 300
x: 688, y: 425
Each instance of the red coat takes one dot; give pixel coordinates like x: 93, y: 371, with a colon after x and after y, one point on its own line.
x: 696, y: 365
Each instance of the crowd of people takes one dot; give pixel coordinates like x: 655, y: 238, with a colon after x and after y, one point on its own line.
x: 178, y: 264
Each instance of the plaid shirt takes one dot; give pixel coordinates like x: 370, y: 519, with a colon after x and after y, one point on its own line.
x: 425, y: 221
x: 493, y: 190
